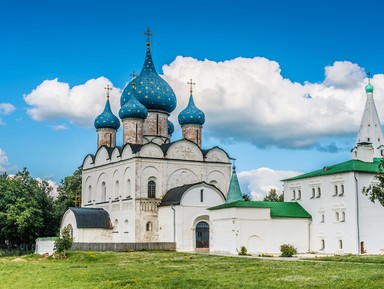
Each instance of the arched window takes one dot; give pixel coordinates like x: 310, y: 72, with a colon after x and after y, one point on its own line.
x: 126, y: 226
x: 313, y: 193
x: 299, y: 194
x: 322, y: 244
x: 116, y: 225
x: 117, y: 185
x: 337, y: 216
x: 322, y: 218
x: 89, y: 193
x: 294, y: 195
x: 318, y: 192
x: 340, y: 244
x: 151, y: 189
x: 128, y: 189
x: 342, y: 190
x: 335, y: 191
x: 342, y: 217
x: 148, y: 227
x: 103, y: 192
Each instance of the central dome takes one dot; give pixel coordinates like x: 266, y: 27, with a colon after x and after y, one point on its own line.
x: 151, y: 90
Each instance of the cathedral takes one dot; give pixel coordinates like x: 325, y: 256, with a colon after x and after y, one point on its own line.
x: 156, y: 190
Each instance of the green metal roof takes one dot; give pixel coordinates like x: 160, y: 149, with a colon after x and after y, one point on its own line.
x: 234, y: 191
x: 278, y: 209
x: 348, y: 166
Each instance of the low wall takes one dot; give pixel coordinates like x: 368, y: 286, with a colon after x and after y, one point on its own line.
x: 124, y: 247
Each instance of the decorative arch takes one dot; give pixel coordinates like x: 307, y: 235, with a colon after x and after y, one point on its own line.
x: 151, y: 150
x: 216, y: 154
x: 102, y: 156
x: 181, y: 177
x: 102, y: 190
x: 185, y: 150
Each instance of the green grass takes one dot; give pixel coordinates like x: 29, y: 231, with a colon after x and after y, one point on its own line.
x: 375, y: 259
x: 179, y: 270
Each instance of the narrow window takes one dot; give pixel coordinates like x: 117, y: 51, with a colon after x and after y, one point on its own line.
x: 368, y: 139
x: 151, y: 189
x: 318, y: 192
x: 89, y: 193
x: 197, y: 136
x: 322, y: 218
x: 136, y: 133
x: 342, y: 190
x: 110, y: 140
x: 201, y: 196
x: 337, y: 216
x: 299, y: 194
x: 148, y: 227
x: 103, y: 192
x: 128, y: 188
x: 335, y: 191
x: 116, y: 225
x: 340, y: 244
x: 117, y: 189
x: 294, y: 195
x: 343, y: 217
x: 322, y: 244
x: 313, y: 193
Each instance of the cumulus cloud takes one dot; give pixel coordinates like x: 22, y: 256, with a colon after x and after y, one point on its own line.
x: 244, y: 99
x: 3, y: 161
x: 54, y: 100
x: 249, y: 100
x: 54, y: 187
x: 6, y: 108
x: 260, y: 181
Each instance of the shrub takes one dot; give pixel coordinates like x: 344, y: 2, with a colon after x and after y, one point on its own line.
x: 287, y: 250
x: 63, y: 243
x: 244, y: 251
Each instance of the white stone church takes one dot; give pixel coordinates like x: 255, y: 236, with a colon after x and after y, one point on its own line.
x: 154, y: 189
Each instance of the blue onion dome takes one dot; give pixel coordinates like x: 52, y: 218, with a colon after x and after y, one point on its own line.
x: 369, y: 88
x: 191, y: 114
x: 133, y: 108
x: 171, y: 127
x: 107, y: 119
x: 152, y: 91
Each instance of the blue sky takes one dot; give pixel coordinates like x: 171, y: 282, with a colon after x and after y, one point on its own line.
x: 75, y: 41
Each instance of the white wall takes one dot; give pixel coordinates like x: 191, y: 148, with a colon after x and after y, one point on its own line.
x: 254, y: 229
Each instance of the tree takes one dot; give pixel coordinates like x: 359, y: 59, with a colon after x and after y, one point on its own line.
x: 246, y: 197
x: 273, y: 196
x: 375, y: 192
x: 69, y: 190
x: 64, y: 242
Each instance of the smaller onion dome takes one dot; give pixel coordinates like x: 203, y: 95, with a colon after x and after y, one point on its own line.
x: 133, y: 108
x: 171, y: 127
x: 107, y: 119
x: 369, y: 88
x: 191, y: 114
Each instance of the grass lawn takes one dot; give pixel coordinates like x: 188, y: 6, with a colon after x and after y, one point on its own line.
x: 179, y: 270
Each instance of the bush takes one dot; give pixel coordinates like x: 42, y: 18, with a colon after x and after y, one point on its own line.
x: 287, y: 250
x: 64, y: 242
x: 244, y: 251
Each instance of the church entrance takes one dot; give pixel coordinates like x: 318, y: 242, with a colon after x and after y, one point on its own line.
x: 202, y: 235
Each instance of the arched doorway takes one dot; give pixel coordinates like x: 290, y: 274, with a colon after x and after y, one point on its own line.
x: 202, y: 235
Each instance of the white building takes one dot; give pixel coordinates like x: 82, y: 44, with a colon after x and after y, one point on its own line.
x: 343, y: 219
x: 155, y: 190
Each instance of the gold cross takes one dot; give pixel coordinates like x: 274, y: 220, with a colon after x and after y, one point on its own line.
x: 191, y: 83
x: 108, y: 88
x: 148, y: 33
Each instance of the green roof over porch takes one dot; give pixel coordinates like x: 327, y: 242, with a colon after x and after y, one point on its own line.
x: 278, y: 209
x: 348, y: 166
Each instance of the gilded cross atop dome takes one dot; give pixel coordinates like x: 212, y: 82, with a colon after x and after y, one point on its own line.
x: 369, y: 75
x: 108, y: 88
x: 190, y: 85
x: 148, y: 33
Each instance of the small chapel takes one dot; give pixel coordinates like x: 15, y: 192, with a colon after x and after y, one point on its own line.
x: 156, y: 192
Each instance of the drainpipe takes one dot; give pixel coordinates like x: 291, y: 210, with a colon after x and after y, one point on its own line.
x: 357, y: 213
x: 174, y: 223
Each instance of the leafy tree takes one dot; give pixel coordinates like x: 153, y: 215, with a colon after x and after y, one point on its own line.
x: 69, y: 189
x: 375, y: 192
x: 247, y: 197
x: 273, y: 196
x: 64, y: 242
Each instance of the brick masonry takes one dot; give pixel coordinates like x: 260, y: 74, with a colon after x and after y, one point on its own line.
x: 106, y: 137
x: 192, y: 132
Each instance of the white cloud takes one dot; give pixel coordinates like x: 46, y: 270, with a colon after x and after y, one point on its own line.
x: 54, y: 100
x: 7, y: 108
x: 344, y: 74
x: 3, y: 161
x: 59, y: 127
x: 244, y: 99
x: 260, y: 181
x: 53, y: 193
x: 249, y: 100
